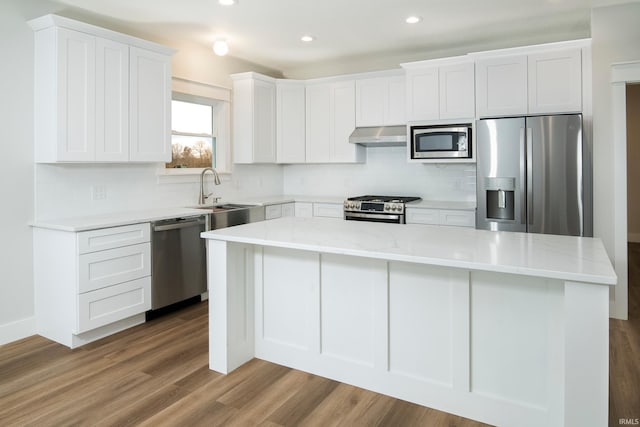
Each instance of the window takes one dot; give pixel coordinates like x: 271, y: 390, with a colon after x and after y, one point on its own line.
x: 193, y: 141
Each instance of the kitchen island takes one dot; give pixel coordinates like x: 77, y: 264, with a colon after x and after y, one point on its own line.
x: 504, y: 328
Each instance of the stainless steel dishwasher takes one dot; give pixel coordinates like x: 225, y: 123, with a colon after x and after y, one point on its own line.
x: 178, y: 260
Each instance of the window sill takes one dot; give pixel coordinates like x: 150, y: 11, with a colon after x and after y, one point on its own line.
x: 185, y: 175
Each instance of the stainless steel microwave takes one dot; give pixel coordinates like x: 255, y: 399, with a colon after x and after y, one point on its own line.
x: 441, y: 142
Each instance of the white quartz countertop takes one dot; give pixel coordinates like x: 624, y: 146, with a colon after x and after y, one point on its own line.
x: 93, y: 222
x: 554, y: 257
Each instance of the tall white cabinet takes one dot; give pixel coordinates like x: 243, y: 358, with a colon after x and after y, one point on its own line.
x: 290, y: 121
x: 100, y: 96
x: 254, y: 118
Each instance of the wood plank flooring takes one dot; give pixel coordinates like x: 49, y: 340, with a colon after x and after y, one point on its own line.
x: 624, y: 352
x: 156, y: 374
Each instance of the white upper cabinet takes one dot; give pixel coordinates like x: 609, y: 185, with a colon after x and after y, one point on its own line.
x: 318, y: 118
x: 423, y: 94
x: 501, y: 86
x: 330, y: 119
x: 65, y: 90
x: 150, y: 80
x: 290, y: 122
x: 457, y: 91
x: 380, y: 101
x: 437, y: 91
x: 112, y: 101
x: 555, y: 81
x: 541, y: 82
x: 94, y: 99
x: 254, y: 118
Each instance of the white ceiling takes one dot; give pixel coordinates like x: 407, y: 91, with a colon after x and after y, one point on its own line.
x: 268, y: 32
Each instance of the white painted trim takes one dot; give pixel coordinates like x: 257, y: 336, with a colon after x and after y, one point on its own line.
x: 621, y: 74
x: 17, y: 330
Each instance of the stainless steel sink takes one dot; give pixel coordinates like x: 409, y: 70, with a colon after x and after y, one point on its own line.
x: 230, y: 214
x: 224, y: 207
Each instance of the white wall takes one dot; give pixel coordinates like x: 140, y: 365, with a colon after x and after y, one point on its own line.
x: 615, y: 33
x: 385, y: 172
x: 16, y: 174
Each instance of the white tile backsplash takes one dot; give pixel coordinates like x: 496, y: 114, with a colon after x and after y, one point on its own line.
x: 386, y: 172
x: 69, y: 190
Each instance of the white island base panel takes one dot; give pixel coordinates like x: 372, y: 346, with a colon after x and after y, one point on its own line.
x: 499, y: 348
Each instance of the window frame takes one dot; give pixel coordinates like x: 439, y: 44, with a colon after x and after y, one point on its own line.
x: 219, y: 99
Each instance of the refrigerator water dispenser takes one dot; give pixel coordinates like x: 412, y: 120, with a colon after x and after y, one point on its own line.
x: 500, y: 198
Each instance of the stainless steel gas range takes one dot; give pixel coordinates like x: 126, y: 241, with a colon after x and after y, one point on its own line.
x: 389, y: 209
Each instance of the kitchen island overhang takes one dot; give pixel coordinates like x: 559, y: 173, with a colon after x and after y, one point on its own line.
x: 504, y: 328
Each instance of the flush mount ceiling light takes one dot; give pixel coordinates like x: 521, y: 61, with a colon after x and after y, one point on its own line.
x: 413, y: 20
x: 227, y: 2
x: 220, y: 47
x: 307, y: 38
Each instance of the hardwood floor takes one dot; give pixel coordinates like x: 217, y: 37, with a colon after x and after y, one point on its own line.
x: 157, y: 374
x: 624, y: 352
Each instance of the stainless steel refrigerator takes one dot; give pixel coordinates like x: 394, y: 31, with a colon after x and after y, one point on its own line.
x: 533, y: 175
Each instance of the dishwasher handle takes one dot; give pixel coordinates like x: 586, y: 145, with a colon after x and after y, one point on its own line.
x: 178, y: 224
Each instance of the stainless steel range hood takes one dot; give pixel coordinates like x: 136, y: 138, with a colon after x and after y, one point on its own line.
x: 379, y: 136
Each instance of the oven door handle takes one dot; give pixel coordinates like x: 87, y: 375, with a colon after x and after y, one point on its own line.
x: 371, y: 215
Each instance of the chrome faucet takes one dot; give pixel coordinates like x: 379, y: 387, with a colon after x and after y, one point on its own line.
x: 216, y: 181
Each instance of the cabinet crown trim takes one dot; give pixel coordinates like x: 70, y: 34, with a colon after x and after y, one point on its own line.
x: 51, y: 20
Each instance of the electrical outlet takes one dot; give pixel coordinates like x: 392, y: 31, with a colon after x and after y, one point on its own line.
x: 98, y: 192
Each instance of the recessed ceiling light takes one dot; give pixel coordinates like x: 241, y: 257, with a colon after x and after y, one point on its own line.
x: 413, y: 20
x: 307, y: 38
x: 227, y: 2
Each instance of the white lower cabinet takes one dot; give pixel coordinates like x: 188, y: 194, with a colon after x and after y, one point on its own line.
x: 303, y: 209
x: 328, y: 210
x: 107, y: 305
x: 458, y: 218
x: 289, y: 209
x: 453, y: 217
x: 272, y: 211
x: 91, y: 284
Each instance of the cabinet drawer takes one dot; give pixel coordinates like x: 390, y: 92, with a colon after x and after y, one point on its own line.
x: 422, y: 216
x: 115, y: 237
x: 303, y: 209
x: 329, y: 210
x: 289, y: 209
x: 105, y: 268
x: 273, y: 211
x: 108, y: 305
x: 458, y: 218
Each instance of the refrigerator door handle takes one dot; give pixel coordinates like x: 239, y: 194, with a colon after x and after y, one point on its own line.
x: 530, y: 218
x: 523, y: 184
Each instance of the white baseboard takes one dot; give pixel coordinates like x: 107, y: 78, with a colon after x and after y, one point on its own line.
x: 633, y: 237
x: 19, y: 329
